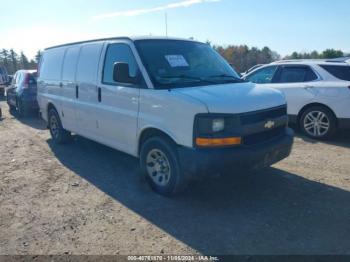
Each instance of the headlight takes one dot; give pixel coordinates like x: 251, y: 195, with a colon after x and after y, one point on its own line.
x: 216, y: 130
x: 218, y: 125
x: 207, y: 125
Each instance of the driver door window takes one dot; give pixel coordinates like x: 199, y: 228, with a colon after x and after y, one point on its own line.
x: 120, y: 53
x: 263, y: 76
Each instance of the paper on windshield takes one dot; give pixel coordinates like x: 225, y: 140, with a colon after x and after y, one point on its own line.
x: 176, y: 61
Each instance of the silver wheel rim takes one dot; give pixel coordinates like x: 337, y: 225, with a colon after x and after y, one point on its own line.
x: 316, y: 123
x: 54, y: 126
x: 158, y: 167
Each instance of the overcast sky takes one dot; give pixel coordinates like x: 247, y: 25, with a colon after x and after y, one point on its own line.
x: 285, y: 26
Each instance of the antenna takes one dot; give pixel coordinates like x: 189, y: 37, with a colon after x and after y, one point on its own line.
x: 166, y: 24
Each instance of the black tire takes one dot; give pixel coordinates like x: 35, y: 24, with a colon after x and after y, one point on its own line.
x: 20, y: 108
x: 176, y: 181
x: 58, y: 133
x: 310, y: 130
x: 11, y: 107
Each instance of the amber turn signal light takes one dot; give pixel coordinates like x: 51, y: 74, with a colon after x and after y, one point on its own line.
x: 212, y: 142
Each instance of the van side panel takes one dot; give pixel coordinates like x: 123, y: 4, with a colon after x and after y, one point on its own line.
x: 68, y: 90
x: 49, y: 90
x: 86, y: 80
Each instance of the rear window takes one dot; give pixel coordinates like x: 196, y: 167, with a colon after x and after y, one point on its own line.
x: 51, y: 63
x: 33, y: 77
x: 341, y: 72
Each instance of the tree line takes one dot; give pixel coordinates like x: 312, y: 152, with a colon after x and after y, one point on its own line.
x: 326, y: 54
x: 241, y: 57
x: 13, y: 61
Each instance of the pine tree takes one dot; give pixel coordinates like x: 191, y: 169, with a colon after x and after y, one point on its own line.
x: 4, y: 58
x: 24, y: 63
x: 38, y: 56
x: 13, y: 62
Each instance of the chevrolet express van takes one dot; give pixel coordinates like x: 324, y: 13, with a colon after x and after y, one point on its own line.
x: 175, y: 104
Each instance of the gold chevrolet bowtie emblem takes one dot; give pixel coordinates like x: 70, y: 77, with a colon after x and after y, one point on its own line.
x: 269, y: 124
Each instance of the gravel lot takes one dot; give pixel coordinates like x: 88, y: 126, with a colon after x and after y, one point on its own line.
x: 85, y: 198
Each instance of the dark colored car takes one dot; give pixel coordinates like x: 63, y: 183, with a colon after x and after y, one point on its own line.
x: 4, y: 79
x: 21, y: 94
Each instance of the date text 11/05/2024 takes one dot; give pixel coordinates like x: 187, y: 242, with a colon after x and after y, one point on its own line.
x: 173, y: 258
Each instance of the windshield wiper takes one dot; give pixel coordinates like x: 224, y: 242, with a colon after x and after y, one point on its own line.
x: 188, y: 77
x: 235, y: 79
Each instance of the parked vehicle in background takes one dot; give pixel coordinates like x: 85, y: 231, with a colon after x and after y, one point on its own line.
x: 251, y: 69
x: 22, y: 92
x: 4, y: 80
x: 175, y: 104
x: 317, y: 92
x: 10, y: 77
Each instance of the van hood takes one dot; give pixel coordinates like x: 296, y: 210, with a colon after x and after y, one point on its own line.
x: 235, y: 98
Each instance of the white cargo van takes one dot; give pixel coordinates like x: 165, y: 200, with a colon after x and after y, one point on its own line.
x: 175, y: 104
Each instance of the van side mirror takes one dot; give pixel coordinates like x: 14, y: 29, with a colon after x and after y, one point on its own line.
x: 121, y: 74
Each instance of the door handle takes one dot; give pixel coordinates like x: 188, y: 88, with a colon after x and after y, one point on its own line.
x: 99, y: 94
x: 77, y: 91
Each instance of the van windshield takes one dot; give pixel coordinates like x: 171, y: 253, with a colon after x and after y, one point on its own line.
x: 180, y: 63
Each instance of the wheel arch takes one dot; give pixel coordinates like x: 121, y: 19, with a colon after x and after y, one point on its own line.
x: 301, y: 112
x: 152, y: 132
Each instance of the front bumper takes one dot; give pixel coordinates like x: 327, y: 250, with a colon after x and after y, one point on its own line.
x: 200, y: 162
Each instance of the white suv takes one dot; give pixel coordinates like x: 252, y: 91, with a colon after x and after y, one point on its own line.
x: 317, y: 92
x: 175, y: 104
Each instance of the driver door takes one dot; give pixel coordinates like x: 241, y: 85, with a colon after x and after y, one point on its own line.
x: 118, y: 103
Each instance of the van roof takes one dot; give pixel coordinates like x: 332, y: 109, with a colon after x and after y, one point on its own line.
x: 131, y: 38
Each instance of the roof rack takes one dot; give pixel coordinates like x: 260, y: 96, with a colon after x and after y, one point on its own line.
x: 89, y: 41
x: 298, y: 60
x: 344, y: 59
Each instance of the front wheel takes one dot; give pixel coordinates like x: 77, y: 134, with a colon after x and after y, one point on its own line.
x: 318, y: 122
x: 58, y: 133
x: 160, y: 165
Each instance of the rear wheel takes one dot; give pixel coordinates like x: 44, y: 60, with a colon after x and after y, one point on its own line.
x: 20, y: 108
x: 12, y: 107
x: 318, y: 122
x: 58, y: 133
x: 160, y: 165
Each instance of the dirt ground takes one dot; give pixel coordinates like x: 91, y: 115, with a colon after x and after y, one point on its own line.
x: 85, y: 198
